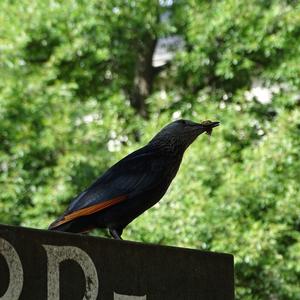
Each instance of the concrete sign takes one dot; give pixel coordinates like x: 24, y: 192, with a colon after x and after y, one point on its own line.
x: 39, y: 264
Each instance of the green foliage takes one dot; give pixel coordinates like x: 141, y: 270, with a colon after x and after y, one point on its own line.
x: 66, y: 69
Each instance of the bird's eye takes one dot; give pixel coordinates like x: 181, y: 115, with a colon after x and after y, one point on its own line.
x: 183, y: 122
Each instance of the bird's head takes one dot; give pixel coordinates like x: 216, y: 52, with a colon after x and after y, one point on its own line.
x: 182, y: 133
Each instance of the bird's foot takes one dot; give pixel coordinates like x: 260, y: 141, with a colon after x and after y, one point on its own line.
x: 116, y: 234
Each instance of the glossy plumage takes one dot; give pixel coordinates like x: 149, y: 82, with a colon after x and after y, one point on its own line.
x: 133, y: 184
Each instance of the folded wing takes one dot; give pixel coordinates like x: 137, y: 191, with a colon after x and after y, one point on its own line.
x: 134, y: 174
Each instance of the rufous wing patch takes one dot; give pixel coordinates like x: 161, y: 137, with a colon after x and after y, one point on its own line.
x: 86, y: 211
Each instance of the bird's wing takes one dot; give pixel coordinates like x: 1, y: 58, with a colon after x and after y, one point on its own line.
x: 136, y: 173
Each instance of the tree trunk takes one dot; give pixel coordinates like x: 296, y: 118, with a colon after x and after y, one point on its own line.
x: 143, y: 77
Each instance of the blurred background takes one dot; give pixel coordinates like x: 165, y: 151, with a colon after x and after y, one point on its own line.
x: 85, y: 82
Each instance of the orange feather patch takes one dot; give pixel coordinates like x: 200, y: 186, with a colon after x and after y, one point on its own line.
x: 89, y: 210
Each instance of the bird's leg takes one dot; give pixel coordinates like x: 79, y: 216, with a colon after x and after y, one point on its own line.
x: 116, y: 234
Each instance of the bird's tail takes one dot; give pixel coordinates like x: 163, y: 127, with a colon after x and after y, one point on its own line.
x: 79, y: 225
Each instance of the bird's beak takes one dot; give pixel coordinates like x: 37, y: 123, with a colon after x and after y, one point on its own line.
x: 210, y: 124
x: 214, y: 124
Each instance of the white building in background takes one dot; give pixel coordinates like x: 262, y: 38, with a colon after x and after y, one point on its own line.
x: 166, y: 49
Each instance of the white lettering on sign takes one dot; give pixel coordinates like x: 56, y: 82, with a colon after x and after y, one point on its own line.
x: 128, y: 297
x: 57, y: 254
x: 15, y: 285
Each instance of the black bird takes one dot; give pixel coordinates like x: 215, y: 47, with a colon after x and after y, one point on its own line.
x: 133, y: 184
